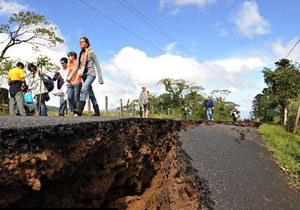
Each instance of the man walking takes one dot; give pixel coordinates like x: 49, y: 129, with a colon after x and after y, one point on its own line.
x: 209, y: 107
x: 144, y: 101
x: 16, y: 78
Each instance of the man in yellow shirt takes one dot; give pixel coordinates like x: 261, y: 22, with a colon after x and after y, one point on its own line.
x: 16, y: 78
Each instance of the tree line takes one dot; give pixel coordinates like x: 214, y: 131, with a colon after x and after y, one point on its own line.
x: 179, y: 92
x: 282, y: 94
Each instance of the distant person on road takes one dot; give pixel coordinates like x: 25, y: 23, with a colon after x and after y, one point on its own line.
x: 86, y: 69
x: 234, y: 114
x: 15, y: 80
x: 209, y: 107
x: 39, y: 90
x: 186, y: 111
x: 144, y: 102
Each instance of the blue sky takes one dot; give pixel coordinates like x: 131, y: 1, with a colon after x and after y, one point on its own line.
x: 217, y: 44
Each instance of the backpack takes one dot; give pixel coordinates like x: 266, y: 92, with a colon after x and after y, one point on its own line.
x: 48, y: 82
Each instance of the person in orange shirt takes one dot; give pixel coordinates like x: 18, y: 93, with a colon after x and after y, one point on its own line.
x: 75, y: 85
x: 85, y: 66
x: 15, y: 79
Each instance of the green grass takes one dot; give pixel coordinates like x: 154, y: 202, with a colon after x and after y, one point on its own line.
x: 116, y: 114
x: 285, y: 148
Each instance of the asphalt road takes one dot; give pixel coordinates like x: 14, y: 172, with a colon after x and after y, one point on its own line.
x: 33, y: 121
x: 241, y: 173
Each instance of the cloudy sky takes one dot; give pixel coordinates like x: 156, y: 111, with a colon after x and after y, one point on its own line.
x: 217, y: 44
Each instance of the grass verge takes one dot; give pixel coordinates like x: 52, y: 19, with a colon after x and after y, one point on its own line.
x: 285, y: 148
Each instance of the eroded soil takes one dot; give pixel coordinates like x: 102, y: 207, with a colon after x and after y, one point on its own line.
x: 119, y: 163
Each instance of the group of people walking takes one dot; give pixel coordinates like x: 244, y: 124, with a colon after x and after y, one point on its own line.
x: 74, y: 83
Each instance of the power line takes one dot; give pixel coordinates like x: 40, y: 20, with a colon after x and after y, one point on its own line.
x: 153, y: 25
x: 133, y: 33
x: 134, y: 25
x: 117, y: 23
x: 157, y: 28
x: 292, y: 48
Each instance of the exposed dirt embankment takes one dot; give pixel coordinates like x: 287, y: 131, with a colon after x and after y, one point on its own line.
x: 126, y: 163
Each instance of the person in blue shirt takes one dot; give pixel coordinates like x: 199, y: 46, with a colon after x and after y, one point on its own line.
x: 209, y: 107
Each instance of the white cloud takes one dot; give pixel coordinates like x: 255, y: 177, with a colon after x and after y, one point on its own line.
x: 282, y: 51
x: 249, y: 21
x: 134, y: 66
x: 200, y: 3
x: 130, y: 69
x: 170, y: 47
x: 238, y: 64
x: 221, y: 29
x: 10, y: 7
x: 179, y: 3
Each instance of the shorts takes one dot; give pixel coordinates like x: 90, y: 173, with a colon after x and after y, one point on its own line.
x: 146, y: 106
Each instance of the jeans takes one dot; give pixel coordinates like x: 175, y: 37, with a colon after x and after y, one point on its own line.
x: 43, y: 111
x: 62, y: 107
x: 88, y: 89
x: 209, y: 114
x: 74, y: 95
x: 17, y: 100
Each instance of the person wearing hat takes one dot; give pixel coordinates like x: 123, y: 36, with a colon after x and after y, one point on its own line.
x: 209, y: 107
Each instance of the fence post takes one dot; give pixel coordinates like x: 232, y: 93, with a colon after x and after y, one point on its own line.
x: 127, y: 107
x: 132, y: 108
x: 121, y: 107
x: 168, y: 111
x: 152, y: 108
x: 106, y: 105
x: 89, y: 104
x: 296, y: 122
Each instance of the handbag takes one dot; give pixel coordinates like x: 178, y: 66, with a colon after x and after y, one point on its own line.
x: 44, y: 97
x: 28, y: 98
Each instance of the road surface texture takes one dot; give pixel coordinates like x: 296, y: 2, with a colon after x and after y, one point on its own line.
x: 241, y: 173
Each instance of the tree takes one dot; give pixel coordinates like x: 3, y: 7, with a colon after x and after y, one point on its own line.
x: 177, y: 90
x: 46, y: 65
x: 5, y: 66
x: 282, y: 83
x: 220, y: 95
x: 31, y: 28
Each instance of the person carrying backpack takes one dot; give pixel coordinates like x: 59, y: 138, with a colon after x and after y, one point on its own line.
x: 39, y: 90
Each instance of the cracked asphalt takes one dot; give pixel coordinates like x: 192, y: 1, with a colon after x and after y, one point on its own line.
x: 241, y: 173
